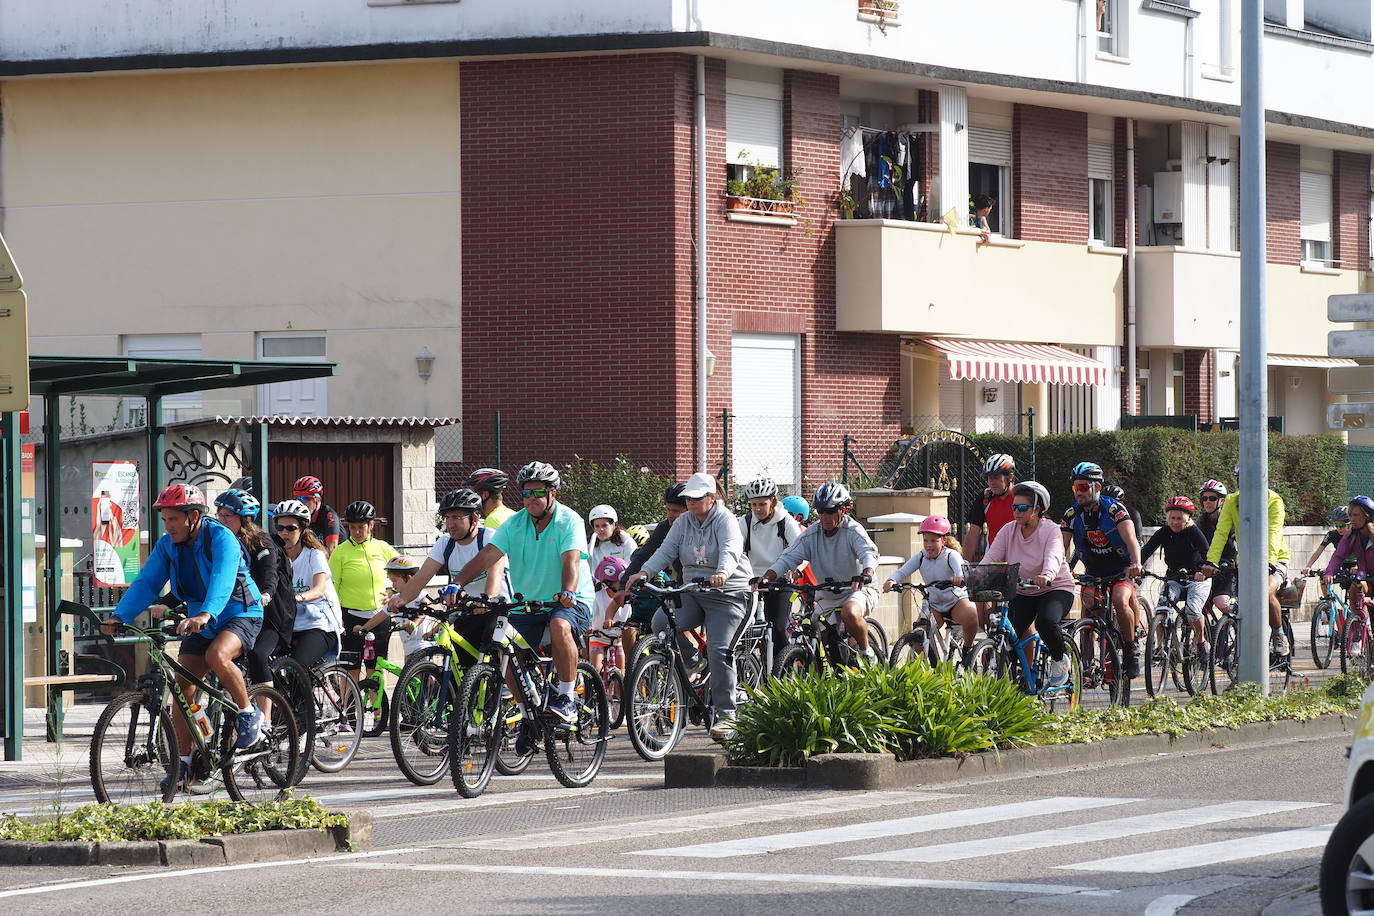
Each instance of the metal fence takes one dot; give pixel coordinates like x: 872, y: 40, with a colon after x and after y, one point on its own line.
x: 1359, y: 469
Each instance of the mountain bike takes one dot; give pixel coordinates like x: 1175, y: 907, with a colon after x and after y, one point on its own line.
x: 328, y: 708
x: 1023, y: 660
x: 480, y: 718
x: 1329, y: 619
x: 1172, y: 654
x: 1225, y: 672
x: 821, y: 640
x: 935, y: 643
x: 134, y: 751
x: 1101, y: 647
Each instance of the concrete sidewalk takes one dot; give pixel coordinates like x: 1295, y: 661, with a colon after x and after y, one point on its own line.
x: 47, y: 762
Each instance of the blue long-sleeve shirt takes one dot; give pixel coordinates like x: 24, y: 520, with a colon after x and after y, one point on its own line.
x: 210, y: 574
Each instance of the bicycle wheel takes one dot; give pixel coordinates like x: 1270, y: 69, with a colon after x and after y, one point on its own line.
x: 1192, y: 666
x: 1324, y: 634
x: 615, y: 692
x: 1225, y: 657
x: 133, y: 753
x: 575, y: 754
x: 420, y: 722
x: 1099, y: 658
x: 508, y: 762
x: 1355, y: 646
x: 1066, y: 698
x: 338, y: 710
x: 1281, y: 667
x: 1159, y: 649
x: 656, y: 715
x: 474, y: 730
x: 262, y: 772
x: 877, y: 639
x: 376, y: 705
x: 294, y: 682
x: 985, y: 659
x: 909, y: 647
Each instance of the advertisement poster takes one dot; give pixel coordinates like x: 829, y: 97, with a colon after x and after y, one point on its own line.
x: 27, y: 513
x: 114, y: 521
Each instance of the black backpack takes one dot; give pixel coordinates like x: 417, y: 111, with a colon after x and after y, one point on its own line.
x: 448, y: 548
x: 749, y: 530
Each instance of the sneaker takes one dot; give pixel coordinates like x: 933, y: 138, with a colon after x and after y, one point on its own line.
x: 724, y: 728
x: 248, y: 726
x: 1204, y: 656
x: 1278, y: 643
x: 525, y: 741
x: 1131, y: 662
x: 563, y: 708
x: 868, y: 657
x: 182, y: 770
x: 698, y: 669
x: 966, y: 659
x: 1056, y: 672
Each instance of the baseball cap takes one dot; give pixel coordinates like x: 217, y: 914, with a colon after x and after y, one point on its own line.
x: 699, y: 485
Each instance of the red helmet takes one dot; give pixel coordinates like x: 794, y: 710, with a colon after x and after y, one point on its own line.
x: 1182, y: 503
x: 308, y: 486
x: 180, y: 496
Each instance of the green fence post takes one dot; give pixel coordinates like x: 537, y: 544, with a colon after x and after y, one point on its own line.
x: 844, y: 467
x: 49, y: 627
x: 496, y: 419
x: 725, y: 448
x: 259, y: 462
x: 1030, y: 440
x: 12, y: 622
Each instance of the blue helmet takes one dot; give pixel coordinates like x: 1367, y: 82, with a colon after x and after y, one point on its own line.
x: 1087, y: 470
x: 1365, y: 503
x: 239, y: 503
x: 1340, y: 515
x: 795, y: 505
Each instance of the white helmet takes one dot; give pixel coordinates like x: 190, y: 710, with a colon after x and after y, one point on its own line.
x: 999, y: 464
x: 761, y: 488
x: 831, y: 495
x: 1042, y: 495
x: 602, y: 511
x: 539, y: 472
x: 294, y: 508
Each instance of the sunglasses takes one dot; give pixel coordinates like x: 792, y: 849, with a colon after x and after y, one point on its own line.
x: 1021, y: 507
x: 534, y: 494
x: 1082, y: 487
x: 288, y: 527
x: 1210, y: 499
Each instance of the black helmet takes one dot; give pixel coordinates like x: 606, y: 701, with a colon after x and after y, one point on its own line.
x: 673, y: 495
x: 493, y: 479
x: 243, y: 483
x: 360, y: 511
x: 1112, y: 491
x: 460, y: 500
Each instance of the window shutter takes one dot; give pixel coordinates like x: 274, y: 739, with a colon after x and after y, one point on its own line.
x: 765, y: 398
x: 1100, y: 160
x: 753, y: 130
x: 989, y: 146
x: 1316, y: 207
x: 953, y: 179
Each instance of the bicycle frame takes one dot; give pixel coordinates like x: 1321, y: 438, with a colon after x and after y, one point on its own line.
x: 812, y: 628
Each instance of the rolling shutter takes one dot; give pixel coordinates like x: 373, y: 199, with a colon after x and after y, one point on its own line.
x: 765, y: 373
x: 989, y: 146
x: 753, y: 122
x: 1316, y: 207
x: 1100, y: 160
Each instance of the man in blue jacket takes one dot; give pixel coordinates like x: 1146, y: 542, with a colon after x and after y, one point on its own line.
x: 205, y: 565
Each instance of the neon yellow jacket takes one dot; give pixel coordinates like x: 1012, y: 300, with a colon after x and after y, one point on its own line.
x: 359, y: 574
x: 1230, y: 518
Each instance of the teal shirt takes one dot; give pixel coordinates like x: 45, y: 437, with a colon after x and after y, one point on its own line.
x: 536, y: 560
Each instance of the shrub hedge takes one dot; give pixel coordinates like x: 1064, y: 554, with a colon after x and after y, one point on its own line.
x: 1155, y: 463
x: 635, y: 492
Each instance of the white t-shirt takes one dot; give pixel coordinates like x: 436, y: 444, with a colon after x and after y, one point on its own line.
x: 948, y: 564
x: 609, y: 548
x: 317, y: 614
x: 413, y: 642
x: 461, y: 555
x: 600, y: 603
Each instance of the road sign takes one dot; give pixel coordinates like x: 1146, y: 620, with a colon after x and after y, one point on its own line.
x: 1350, y: 380
x: 1350, y: 343
x: 1351, y: 307
x: 1355, y: 415
x: 14, y: 336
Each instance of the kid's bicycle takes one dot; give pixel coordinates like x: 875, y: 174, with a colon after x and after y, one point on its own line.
x: 936, y: 643
x: 820, y: 640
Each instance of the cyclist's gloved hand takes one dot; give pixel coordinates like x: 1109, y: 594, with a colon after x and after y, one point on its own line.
x: 449, y: 594
x: 860, y: 581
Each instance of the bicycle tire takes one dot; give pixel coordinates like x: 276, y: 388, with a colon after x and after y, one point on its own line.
x: 293, y: 681
x: 1355, y: 646
x: 338, y: 711
x: 909, y: 647
x: 1192, y: 665
x: 1281, y: 668
x: 508, y: 762
x: 656, y: 715
x: 1323, y: 634
x: 1100, y: 663
x: 795, y: 660
x: 877, y: 638
x: 473, y: 730
x: 262, y: 772
x: 985, y: 658
x: 1225, y: 660
x: 420, y: 722
x: 615, y: 695
x: 1058, y: 700
x: 375, y: 717
x: 1158, y: 655
x: 587, y: 739
x: 141, y: 756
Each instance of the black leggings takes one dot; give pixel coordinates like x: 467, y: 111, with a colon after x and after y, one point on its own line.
x: 777, y: 609
x: 306, y: 647
x: 1046, y: 611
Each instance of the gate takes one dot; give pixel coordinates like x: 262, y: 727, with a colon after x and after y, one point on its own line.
x: 349, y: 471
x: 942, y: 459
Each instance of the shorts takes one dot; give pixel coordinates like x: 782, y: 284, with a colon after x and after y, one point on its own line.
x: 866, y: 596
x: 245, y: 628
x: 1198, y: 595
x: 353, y: 642
x: 534, y: 627
x: 943, y: 600
x: 1279, y: 576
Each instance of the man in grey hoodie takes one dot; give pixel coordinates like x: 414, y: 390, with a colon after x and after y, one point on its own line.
x: 840, y: 551
x: 707, y: 541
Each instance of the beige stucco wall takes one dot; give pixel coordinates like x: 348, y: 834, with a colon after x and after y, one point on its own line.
x: 236, y: 202
x: 914, y: 278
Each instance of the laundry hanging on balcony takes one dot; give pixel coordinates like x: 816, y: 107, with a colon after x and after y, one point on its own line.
x: 881, y: 169
x: 992, y: 361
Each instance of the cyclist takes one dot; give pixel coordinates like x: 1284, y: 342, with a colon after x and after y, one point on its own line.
x: 609, y: 537
x: 839, y: 550
x: 318, y: 625
x: 941, y: 561
x: 642, y: 609
x: 1103, y: 535
x: 768, y: 529
x: 1212, y: 494
x: 491, y: 483
x: 547, y: 547
x: 358, y: 568
x: 798, y: 508
x: 707, y: 543
x: 1340, y: 519
x: 400, y: 570
x: 324, y: 521
x: 205, y: 567
x: 993, y: 510
x: 1045, y: 601
x: 1357, y: 544
x: 1185, y: 550
x: 608, y: 609
x: 1278, y: 558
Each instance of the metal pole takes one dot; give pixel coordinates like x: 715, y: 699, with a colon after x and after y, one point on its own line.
x: 259, y: 446
x: 844, y: 466
x: 49, y: 627
x: 1132, y: 395
x: 1252, y: 535
x: 498, y: 437
x: 12, y: 630
x: 725, y: 448
x: 701, y: 262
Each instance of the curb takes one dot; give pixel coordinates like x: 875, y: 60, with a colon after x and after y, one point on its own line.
x: 703, y: 769
x: 235, y: 849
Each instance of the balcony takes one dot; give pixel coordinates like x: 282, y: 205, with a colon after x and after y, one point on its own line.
x: 1190, y: 297
x: 918, y: 278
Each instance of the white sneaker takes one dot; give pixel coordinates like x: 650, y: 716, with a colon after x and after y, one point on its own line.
x: 1057, y: 672
x: 724, y: 728
x: 868, y: 656
x: 1278, y: 643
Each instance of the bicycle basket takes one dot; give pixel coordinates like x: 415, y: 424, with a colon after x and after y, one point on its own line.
x: 992, y: 581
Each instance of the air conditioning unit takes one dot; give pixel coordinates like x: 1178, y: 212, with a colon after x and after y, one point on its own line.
x: 1168, y: 194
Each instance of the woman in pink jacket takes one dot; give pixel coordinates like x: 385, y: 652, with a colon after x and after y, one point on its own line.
x: 1039, y: 548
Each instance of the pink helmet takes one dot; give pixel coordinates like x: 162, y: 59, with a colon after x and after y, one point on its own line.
x: 935, y: 524
x: 610, y: 569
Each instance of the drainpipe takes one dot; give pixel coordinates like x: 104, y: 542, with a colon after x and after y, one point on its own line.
x: 1130, y: 267
x: 701, y: 262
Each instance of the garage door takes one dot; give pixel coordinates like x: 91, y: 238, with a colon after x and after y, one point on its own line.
x: 349, y: 471
x: 765, y: 434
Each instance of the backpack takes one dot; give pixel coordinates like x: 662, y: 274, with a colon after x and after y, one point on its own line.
x: 448, y: 548
x: 749, y: 530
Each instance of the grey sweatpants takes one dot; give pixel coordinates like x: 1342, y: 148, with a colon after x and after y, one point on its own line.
x: 721, y: 613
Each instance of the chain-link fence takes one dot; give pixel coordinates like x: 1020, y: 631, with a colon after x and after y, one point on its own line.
x: 1359, y: 470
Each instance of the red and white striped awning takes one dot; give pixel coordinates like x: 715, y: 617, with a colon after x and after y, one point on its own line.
x: 991, y: 361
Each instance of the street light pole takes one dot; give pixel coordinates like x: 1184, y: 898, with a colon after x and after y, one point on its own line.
x: 1252, y: 534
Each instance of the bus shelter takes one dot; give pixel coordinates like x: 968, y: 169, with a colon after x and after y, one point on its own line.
x: 53, y: 377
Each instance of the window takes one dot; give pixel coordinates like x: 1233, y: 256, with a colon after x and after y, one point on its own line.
x: 1100, y: 193
x: 1107, y: 11
x: 753, y: 119
x: 989, y: 173
x: 163, y: 346
x: 1176, y: 395
x: 1315, y: 205
x: 301, y: 398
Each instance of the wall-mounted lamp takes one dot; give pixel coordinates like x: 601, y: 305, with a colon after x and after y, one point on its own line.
x: 710, y: 363
x: 1295, y: 381
x: 989, y: 395
x: 424, y: 363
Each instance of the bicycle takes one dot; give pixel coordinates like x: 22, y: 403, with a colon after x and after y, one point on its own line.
x: 935, y: 643
x: 820, y: 640
x: 480, y: 719
x: 328, y: 708
x: 1171, y: 650
x: 1329, y: 619
x: 1226, y: 643
x: 1356, y: 636
x: 1100, y: 645
x: 133, y: 755
x: 1023, y: 660
x: 612, y: 675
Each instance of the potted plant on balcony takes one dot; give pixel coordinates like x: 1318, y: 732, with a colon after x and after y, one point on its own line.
x: 844, y: 200
x: 764, y: 189
x: 882, y: 12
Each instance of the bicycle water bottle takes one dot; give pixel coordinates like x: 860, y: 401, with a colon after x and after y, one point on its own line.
x: 369, y: 646
x: 202, y: 720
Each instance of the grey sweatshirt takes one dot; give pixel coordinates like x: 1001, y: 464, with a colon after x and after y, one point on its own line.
x: 704, y: 549
x: 841, y: 557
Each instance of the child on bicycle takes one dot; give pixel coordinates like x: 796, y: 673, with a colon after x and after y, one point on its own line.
x: 609, y: 537
x: 1185, y: 552
x: 1340, y: 518
x: 609, y: 611
x: 414, y: 633
x: 941, y: 559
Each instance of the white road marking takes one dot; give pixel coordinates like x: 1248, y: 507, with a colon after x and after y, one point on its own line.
x: 1168, y: 905
x: 181, y: 873
x: 1087, y: 833
x: 729, y: 817
x: 1250, y: 847
x: 943, y: 820
x: 652, y: 875
x: 454, y: 803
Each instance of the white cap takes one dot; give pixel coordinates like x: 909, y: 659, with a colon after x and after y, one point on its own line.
x: 602, y: 511
x: 699, y: 485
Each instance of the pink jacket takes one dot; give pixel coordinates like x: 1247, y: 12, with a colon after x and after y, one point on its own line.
x: 1352, y: 545
x: 1041, y: 553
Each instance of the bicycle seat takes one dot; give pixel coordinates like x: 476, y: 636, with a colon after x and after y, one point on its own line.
x: 350, y: 658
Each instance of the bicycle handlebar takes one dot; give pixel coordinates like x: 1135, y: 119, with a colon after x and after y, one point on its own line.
x: 668, y: 591
x: 922, y: 587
